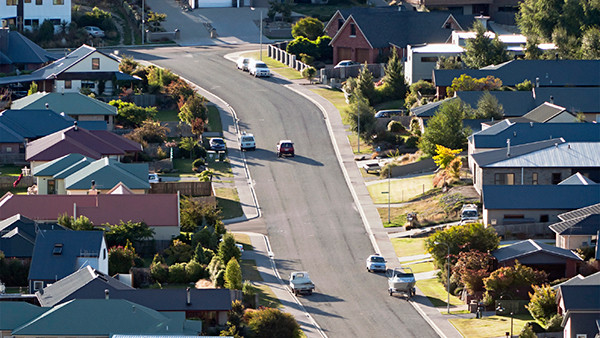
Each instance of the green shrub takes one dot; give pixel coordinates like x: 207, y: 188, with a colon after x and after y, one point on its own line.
x: 159, y: 272
x: 395, y: 127
x: 177, y: 273
x: 542, y: 305
x: 198, y: 162
x: 308, y: 59
x: 527, y: 332
x: 194, y: 271
x: 554, y: 323
x: 412, y: 142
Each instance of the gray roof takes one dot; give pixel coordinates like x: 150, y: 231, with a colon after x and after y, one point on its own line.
x: 86, y: 283
x: 72, y: 104
x: 522, y: 133
x: 540, y: 197
x: 580, y: 297
x: 587, y: 210
x: 544, y: 112
x: 17, y: 235
x: 485, y: 158
x: 585, y: 225
x: 593, y: 279
x: 429, y: 109
x: 47, y: 266
x: 574, y: 99
x: 528, y: 247
x: 21, y: 50
x: 15, y: 314
x: 107, y: 173
x: 577, y: 178
x: 551, y: 73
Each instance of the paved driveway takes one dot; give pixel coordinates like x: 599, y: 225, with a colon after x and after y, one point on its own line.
x: 234, y: 26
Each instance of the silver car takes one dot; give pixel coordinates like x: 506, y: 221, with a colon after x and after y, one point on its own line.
x: 376, y: 263
x: 94, y: 31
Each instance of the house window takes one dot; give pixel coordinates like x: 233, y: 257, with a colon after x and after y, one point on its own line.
x: 544, y: 218
x: 556, y: 178
x: 32, y: 22
x: 95, y: 63
x: 429, y: 59
x: 352, y: 29
x: 27, y: 1
x: 9, y: 149
x: 581, y: 335
x: 55, y: 22
x: 58, y: 2
x: 504, y: 179
x: 38, y: 285
x: 534, y: 178
x: 511, y: 216
x: 51, y: 187
x: 68, y: 84
x: 88, y: 84
x: 58, y: 248
x: 340, y: 23
x: 21, y: 149
x: 38, y: 2
x: 104, y: 254
x: 12, y: 2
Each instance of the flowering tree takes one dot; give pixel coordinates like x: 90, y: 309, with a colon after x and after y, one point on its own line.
x: 515, y: 281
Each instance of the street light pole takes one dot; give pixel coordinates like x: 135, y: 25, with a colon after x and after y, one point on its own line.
x: 448, y: 270
x: 143, y: 20
x: 389, y: 194
x: 261, y: 34
x: 358, y: 133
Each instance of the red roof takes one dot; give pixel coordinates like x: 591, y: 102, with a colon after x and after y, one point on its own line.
x: 154, y: 209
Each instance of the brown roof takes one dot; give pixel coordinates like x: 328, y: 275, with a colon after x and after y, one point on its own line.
x: 122, y: 142
x: 80, y: 141
x: 154, y: 209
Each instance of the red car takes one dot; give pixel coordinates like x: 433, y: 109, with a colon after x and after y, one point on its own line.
x: 285, y: 147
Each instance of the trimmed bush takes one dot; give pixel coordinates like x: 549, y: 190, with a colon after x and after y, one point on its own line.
x: 194, y: 271
x: 412, y: 142
x: 159, y: 272
x: 177, y: 273
x: 395, y: 127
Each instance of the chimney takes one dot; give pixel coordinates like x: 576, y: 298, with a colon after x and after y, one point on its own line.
x: 189, y: 298
x: 75, y: 124
x: 537, y: 82
x: 47, y: 105
x: 507, y: 147
x: 551, y: 99
x: 556, y: 56
x: 106, y: 294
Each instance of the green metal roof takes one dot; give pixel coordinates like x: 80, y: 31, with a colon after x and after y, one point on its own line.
x: 14, y: 314
x: 72, y: 104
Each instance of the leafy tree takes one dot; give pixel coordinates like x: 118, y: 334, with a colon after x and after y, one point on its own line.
x: 129, y: 115
x: 233, y: 275
x: 467, y: 237
x: 481, y: 51
x: 82, y: 223
x: 394, y: 76
x: 568, y: 45
x: 154, y: 19
x: 159, y: 271
x: 325, y: 51
x: 188, y: 144
x: 532, y: 51
x: 542, y: 303
x: 194, y: 271
x: 527, y: 332
x: 33, y: 88
x: 590, y: 44
x: 446, y: 128
x: 128, y: 64
x: 158, y: 78
x: 554, y: 324
x: 365, y: 86
x: 178, y: 252
x: 467, y: 83
x: 524, y: 86
x: 309, y: 73
x: 121, y: 259
x: 515, y: 281
x: 46, y: 31
x: 228, y: 249
x: 195, y: 213
x: 149, y: 132
x: 537, y: 18
x: 444, y: 156
x: 134, y: 232
x: 451, y: 62
x: 207, y: 237
x: 216, y: 271
x: 471, y: 268
x: 302, y: 45
x: 284, y: 7
x: 193, y: 110
x: 488, y: 107
x: 13, y: 272
x: 177, y: 273
x: 269, y: 322
x: 359, y: 106
x: 179, y: 89
x: 308, y: 27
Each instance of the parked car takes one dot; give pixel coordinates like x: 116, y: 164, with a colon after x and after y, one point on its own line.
x: 346, y: 63
x: 94, y: 31
x: 258, y: 68
x: 390, y: 113
x: 285, y: 147
x: 153, y: 178
x: 242, y: 63
x: 376, y: 263
x: 217, y: 143
x: 247, y: 142
x: 240, y: 247
x: 300, y: 283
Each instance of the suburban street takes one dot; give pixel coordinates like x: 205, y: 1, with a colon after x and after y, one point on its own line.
x: 307, y: 209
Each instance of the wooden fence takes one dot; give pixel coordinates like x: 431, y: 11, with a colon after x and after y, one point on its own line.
x: 277, y: 52
x: 193, y: 188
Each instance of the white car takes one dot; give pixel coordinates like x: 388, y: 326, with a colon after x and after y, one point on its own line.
x: 153, y: 178
x: 94, y: 31
x: 242, y: 63
x: 376, y: 263
x: 258, y: 68
x: 240, y: 247
x: 346, y: 64
x: 247, y: 142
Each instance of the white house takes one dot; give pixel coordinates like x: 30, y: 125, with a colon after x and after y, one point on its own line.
x: 421, y: 59
x: 35, y: 12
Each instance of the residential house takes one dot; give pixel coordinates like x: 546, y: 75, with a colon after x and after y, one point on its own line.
x: 422, y: 59
x: 74, y: 104
x: 15, y: 314
x: 579, y: 304
x: 557, y: 262
x: 500, y: 11
x: 539, y: 204
x: 543, y: 162
x: 75, y: 174
x: 17, y: 236
x: 33, y: 13
x: 211, y: 305
x: 159, y: 211
x: 103, y: 318
x: 18, y: 127
x: 549, y: 113
x: 578, y: 228
x: 95, y: 144
x: 58, y: 254
x: 541, y: 73
x: 519, y: 133
x: 84, y: 68
x: 367, y: 34
x: 18, y: 53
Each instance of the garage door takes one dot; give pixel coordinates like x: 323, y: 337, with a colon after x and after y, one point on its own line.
x: 362, y: 55
x: 344, y: 53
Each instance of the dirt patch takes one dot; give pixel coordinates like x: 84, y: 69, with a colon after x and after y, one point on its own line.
x: 468, y: 191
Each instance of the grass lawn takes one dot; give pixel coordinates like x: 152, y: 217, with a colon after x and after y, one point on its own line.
x: 183, y: 165
x: 249, y: 271
x: 221, y: 169
x: 408, y: 246
x: 214, y: 118
x: 396, y: 217
x: 229, y: 202
x: 10, y: 170
x: 266, y: 297
x: 436, y: 292
x: 167, y: 115
x: 395, y: 104
x: 421, y: 267
x: 335, y: 96
x: 492, y: 326
x: 280, y: 68
x: 402, y: 189
x: 244, y: 240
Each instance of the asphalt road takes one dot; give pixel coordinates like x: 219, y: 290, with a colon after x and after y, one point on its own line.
x: 307, y: 209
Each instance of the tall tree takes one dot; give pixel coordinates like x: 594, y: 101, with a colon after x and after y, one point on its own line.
x: 193, y: 109
x: 488, y: 107
x: 361, y: 111
x: 394, y: 76
x: 590, y: 44
x: 233, y: 275
x: 309, y: 27
x: 364, y: 84
x: 481, y: 51
x: 446, y: 127
x: 228, y: 249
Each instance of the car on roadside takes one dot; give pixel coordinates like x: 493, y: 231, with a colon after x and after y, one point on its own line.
x: 389, y: 113
x: 258, y: 68
x: 285, y: 147
x: 376, y: 263
x: 154, y: 178
x: 94, y: 31
x: 240, y: 247
x: 217, y: 143
x: 346, y: 64
x: 242, y: 63
x: 247, y: 142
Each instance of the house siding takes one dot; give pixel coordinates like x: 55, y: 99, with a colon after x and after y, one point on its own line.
x: 523, y: 176
x: 573, y: 242
x: 497, y: 216
x: 32, y: 11
x: 332, y: 28
x: 358, y: 45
